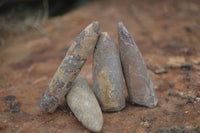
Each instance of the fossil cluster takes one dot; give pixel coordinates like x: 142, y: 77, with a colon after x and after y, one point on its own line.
x: 109, y: 68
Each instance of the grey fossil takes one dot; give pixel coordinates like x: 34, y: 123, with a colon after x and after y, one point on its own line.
x: 84, y: 105
x: 70, y: 67
x: 107, y: 75
x: 138, y: 81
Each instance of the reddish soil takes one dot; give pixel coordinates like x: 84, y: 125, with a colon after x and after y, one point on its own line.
x: 166, y: 32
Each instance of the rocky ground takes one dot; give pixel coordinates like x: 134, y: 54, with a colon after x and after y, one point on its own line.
x: 166, y: 32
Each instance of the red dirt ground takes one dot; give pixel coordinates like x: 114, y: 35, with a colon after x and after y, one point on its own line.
x: 166, y: 32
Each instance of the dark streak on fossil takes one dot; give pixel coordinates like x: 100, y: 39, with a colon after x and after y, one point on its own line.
x: 107, y: 75
x: 70, y: 67
x: 138, y: 81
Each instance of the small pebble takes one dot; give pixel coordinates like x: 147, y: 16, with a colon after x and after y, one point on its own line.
x: 84, y: 105
x: 176, y: 62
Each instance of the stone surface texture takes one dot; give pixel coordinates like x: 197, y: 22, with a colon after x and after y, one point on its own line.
x: 138, y: 81
x: 70, y: 67
x: 107, y: 75
x: 84, y: 105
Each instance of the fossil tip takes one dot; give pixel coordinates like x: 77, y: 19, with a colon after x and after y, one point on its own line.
x: 96, y: 26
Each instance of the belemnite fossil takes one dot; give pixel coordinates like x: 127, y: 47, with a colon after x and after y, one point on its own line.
x: 84, y: 105
x: 70, y: 67
x: 107, y: 75
x: 109, y: 67
x: 138, y: 81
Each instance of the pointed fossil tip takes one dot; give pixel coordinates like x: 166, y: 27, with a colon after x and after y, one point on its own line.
x: 105, y: 36
x: 120, y: 24
x: 104, y: 33
x: 121, y: 27
x: 96, y: 26
x: 97, y: 22
x: 123, y: 34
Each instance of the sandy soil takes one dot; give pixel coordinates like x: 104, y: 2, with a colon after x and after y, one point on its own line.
x: 166, y: 32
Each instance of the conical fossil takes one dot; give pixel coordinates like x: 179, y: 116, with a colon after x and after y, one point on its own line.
x: 70, y: 67
x: 84, y: 105
x: 138, y: 81
x: 107, y: 75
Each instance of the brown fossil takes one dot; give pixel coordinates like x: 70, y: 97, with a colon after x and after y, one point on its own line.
x: 138, y: 81
x: 84, y: 105
x: 70, y: 67
x: 107, y: 75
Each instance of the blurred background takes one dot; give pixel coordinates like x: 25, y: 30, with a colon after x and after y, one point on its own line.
x: 18, y: 15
